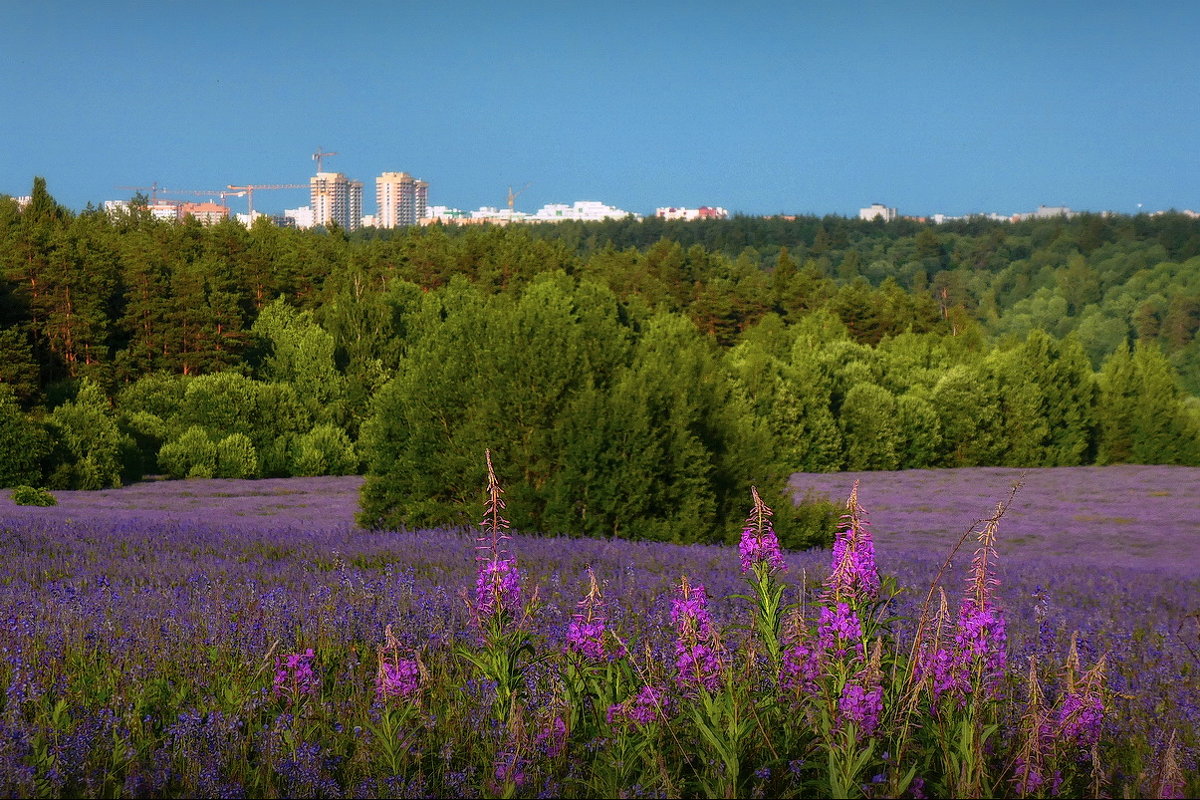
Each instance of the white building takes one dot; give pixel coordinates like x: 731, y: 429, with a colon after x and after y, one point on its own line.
x: 400, y: 199
x: 335, y: 198
x: 582, y: 210
x: 703, y: 212
x: 877, y: 210
x: 301, y: 217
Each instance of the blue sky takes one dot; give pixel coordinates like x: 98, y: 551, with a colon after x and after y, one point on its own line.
x: 762, y: 108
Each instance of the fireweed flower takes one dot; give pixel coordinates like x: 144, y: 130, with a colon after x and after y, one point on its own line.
x: 980, y: 640
x: 839, y: 630
x: 699, y: 661
x: 640, y: 710
x: 1081, y: 712
x: 853, y: 576
x: 552, y: 739
x: 759, y: 544
x: 294, y: 677
x: 585, y: 632
x: 861, y: 702
x: 395, y: 677
x: 801, y: 668
x: 862, y: 706
x: 497, y: 580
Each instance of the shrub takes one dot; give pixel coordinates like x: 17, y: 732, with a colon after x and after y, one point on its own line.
x: 236, y: 457
x: 89, y: 440
x: 192, y: 455
x: 23, y: 443
x: 812, y: 522
x: 325, y: 450
x: 29, y: 496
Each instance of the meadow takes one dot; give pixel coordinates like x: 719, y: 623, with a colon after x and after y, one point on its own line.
x: 220, y: 638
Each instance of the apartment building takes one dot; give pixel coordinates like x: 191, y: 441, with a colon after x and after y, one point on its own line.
x: 400, y: 200
x: 335, y: 198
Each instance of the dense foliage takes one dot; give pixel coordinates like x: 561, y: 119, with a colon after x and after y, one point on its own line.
x: 634, y: 377
x: 223, y: 656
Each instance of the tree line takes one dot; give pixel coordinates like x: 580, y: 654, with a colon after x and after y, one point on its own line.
x: 631, y: 391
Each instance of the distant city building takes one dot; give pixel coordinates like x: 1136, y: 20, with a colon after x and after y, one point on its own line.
x: 582, y: 210
x: 444, y: 214
x: 301, y: 217
x: 23, y: 201
x: 205, y: 213
x: 703, y: 212
x: 337, y: 199
x: 877, y: 211
x: 1049, y: 212
x: 938, y: 219
x: 164, y: 210
x: 1045, y: 212
x: 400, y: 200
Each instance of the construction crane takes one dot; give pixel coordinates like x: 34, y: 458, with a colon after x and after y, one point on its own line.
x: 512, y: 196
x: 221, y: 193
x: 317, y: 156
x: 250, y: 188
x: 153, y: 189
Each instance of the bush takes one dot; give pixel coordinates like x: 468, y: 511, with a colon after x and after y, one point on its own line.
x: 325, y: 450
x: 812, y: 522
x: 236, y: 457
x: 24, y: 444
x: 192, y: 455
x: 29, y: 496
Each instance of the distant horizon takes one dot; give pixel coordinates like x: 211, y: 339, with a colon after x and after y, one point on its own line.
x: 930, y: 107
x: 233, y: 205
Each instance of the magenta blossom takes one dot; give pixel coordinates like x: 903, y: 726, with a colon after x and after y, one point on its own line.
x: 294, y: 676
x: 640, y: 710
x: 759, y: 544
x: 839, y: 630
x: 587, y: 628
x: 497, y: 588
x: 699, y: 660
x: 401, y: 679
x: 853, y: 576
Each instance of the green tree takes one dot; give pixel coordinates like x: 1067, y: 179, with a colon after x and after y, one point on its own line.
x: 86, y: 427
x: 870, y: 428
x: 24, y: 445
x: 301, y: 353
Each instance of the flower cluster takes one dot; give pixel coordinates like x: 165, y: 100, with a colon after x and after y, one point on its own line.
x: 699, y: 662
x: 294, y: 676
x: 588, y: 626
x: 497, y: 588
x: 497, y: 581
x: 639, y: 710
x: 839, y: 630
x: 801, y: 668
x: 854, y: 577
x: 759, y: 544
x: 861, y: 704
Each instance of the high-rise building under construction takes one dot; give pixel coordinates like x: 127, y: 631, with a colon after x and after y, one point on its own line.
x: 337, y: 199
x: 400, y: 199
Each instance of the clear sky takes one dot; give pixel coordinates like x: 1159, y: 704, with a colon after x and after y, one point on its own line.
x: 762, y: 108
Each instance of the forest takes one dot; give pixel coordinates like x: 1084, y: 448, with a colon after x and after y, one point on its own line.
x: 634, y: 378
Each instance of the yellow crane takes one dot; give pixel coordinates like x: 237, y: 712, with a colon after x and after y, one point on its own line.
x: 153, y: 188
x: 250, y: 188
x: 321, y: 153
x: 512, y: 197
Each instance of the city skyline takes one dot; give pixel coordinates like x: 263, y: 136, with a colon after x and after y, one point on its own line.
x: 929, y: 108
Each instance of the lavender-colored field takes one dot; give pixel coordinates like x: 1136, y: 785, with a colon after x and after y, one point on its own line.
x: 266, y: 503
x: 198, y: 580
x: 1143, y: 516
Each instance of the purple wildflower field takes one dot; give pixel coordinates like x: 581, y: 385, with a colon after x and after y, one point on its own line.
x: 243, y: 638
